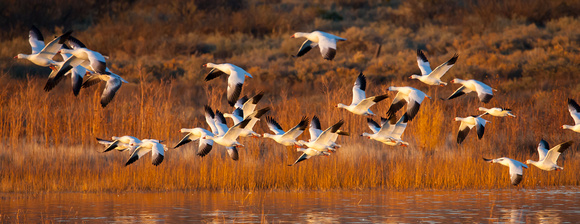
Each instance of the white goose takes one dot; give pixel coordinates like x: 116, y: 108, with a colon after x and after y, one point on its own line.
x: 497, y: 111
x: 360, y: 104
x: 547, y: 158
x: 324, y: 141
x: 307, y: 154
x: 148, y: 145
x: 222, y: 129
x: 574, y: 110
x: 248, y: 105
x: 325, y: 41
x: 484, y: 92
x: 388, y: 132
x: 467, y: 123
x: 406, y: 95
x: 236, y: 78
x: 122, y: 143
x: 42, y: 55
x: 315, y: 130
x: 114, y: 82
x: 285, y: 138
x: 432, y: 77
x: 254, y: 116
x: 228, y: 136
x: 193, y: 134
x: 81, y: 55
x: 516, y: 168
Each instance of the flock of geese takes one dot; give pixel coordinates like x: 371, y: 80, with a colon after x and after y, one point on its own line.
x: 87, y: 67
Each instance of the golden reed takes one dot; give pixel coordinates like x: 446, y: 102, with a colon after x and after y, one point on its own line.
x: 48, y: 140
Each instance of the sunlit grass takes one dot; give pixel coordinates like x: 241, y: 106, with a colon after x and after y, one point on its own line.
x: 48, y: 141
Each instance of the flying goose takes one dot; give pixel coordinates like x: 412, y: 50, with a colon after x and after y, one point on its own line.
x: 122, y: 143
x: 307, y: 154
x: 114, y: 82
x: 236, y: 78
x: 148, y: 145
x: 285, y: 138
x: 81, y: 55
x: 360, y: 104
x: 406, y: 95
x: 432, y: 77
x: 325, y: 41
x: 467, y: 123
x: 248, y: 105
x: 42, y: 55
x: 497, y: 111
x: 574, y: 110
x: 228, y: 139
x: 205, y: 145
x: 315, y: 130
x: 324, y: 141
x: 388, y: 132
x: 516, y: 171
x: 254, y: 116
x: 484, y: 92
x: 547, y: 158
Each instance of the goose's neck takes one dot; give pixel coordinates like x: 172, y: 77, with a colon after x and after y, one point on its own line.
x: 268, y: 135
x: 415, y: 76
x: 566, y: 126
x: 366, y: 134
x: 529, y: 161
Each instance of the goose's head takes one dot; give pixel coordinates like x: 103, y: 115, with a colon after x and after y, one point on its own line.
x: 529, y: 161
x: 414, y: 76
x: 209, y: 65
x: 456, y: 80
x: 297, y: 35
x: 340, y: 105
x: 267, y: 135
x: 458, y: 119
x: 20, y: 56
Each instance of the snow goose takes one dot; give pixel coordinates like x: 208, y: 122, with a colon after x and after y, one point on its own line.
x: 254, y: 116
x: 315, y: 130
x: 42, y: 55
x: 221, y: 129
x: 236, y: 78
x: 228, y: 139
x: 193, y: 134
x: 516, y: 171
x: 120, y: 143
x: 574, y: 110
x: 77, y: 73
x: 497, y: 111
x: 307, y: 154
x: 484, y: 92
x: 388, y: 132
x: 467, y: 123
x: 148, y: 145
x: 432, y: 77
x: 406, y: 95
x: 547, y: 158
x: 360, y: 104
x: 114, y: 82
x: 285, y: 138
x: 324, y: 141
x: 325, y: 41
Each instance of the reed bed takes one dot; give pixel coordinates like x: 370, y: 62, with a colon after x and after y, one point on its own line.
x: 48, y: 140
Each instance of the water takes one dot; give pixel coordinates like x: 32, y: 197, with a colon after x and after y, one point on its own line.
x: 513, y: 206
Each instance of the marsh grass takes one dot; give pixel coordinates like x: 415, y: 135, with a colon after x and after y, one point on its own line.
x: 49, y: 141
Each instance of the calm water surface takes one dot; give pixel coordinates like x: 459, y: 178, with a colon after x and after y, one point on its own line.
x: 512, y: 206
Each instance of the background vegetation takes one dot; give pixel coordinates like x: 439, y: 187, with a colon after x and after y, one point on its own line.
x: 526, y: 49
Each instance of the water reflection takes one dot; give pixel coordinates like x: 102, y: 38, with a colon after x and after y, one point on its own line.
x: 507, y: 206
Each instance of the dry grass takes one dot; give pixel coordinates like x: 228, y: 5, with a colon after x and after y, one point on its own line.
x: 49, y: 142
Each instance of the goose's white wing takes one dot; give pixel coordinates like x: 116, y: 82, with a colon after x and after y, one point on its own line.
x: 423, y: 63
x: 555, y: 152
x: 210, y: 119
x: 374, y: 126
x: 359, y: 88
x: 516, y: 171
x: 157, y: 154
x: 54, y: 46
x: 327, y: 47
x: 297, y: 130
x: 543, y: 149
x: 235, y: 83
x: 327, y: 134
x: 443, y: 68
x: 110, y: 90
x: 484, y: 92
x: 138, y: 153
x: 250, y: 105
x: 399, y: 127
x: 574, y: 110
x: 36, y: 40
x: 274, y: 126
